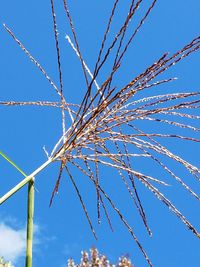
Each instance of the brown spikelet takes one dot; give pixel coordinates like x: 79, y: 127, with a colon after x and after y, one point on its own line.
x: 107, y: 127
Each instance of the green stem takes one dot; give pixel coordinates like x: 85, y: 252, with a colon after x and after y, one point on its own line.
x: 29, y: 238
x: 29, y: 177
x: 24, y: 181
x: 30, y: 211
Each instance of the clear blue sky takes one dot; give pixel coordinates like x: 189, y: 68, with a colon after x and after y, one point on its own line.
x: 62, y: 230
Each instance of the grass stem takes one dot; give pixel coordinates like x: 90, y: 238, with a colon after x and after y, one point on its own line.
x: 30, y: 214
x: 24, y: 181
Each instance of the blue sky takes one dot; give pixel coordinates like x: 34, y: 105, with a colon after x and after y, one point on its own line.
x: 62, y: 230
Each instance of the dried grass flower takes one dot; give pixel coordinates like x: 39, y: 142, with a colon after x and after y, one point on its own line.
x: 106, y: 128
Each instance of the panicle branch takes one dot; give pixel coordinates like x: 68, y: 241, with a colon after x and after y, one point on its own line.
x: 104, y: 127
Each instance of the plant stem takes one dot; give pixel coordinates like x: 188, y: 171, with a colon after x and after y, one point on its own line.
x: 29, y: 238
x: 25, y: 181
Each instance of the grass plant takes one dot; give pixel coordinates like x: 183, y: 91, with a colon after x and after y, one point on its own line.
x: 30, y: 212
x: 102, y: 129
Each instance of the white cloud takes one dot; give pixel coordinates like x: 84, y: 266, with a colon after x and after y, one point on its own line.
x: 12, y: 242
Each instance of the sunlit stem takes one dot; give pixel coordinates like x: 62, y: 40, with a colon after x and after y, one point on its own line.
x: 25, y: 181
x: 30, y: 214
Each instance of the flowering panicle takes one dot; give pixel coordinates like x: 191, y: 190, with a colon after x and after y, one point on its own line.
x: 110, y: 126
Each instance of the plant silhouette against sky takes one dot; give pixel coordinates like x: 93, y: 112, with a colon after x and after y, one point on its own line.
x: 103, y: 129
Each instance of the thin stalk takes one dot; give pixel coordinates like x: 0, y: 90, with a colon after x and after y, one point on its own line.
x: 30, y: 210
x: 25, y: 181
x: 28, y: 178
x: 12, y: 163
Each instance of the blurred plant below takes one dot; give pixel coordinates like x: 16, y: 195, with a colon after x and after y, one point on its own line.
x: 95, y: 259
x: 4, y: 263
